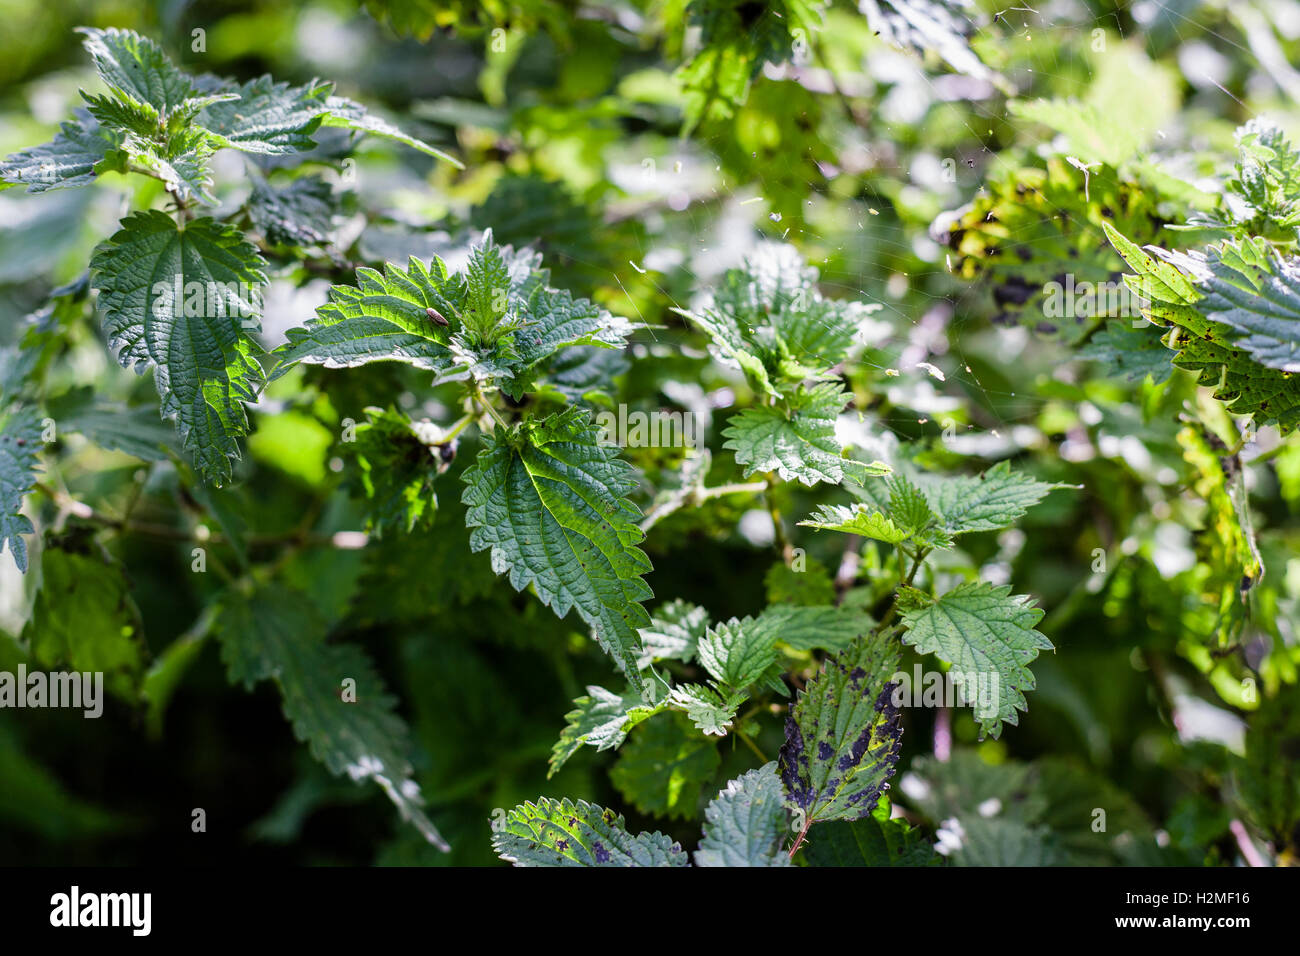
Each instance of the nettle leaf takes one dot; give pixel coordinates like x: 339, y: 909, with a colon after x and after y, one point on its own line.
x: 769, y: 319
x: 875, y: 840
x: 300, y: 213
x: 906, y: 518
x: 139, y: 73
x: 346, y: 114
x: 385, y: 317
x: 737, y: 654
x: 987, y: 634
x: 664, y: 768
x: 989, y: 502
x: 1134, y: 354
x: 746, y: 824
x: 398, y: 467
x: 1204, y: 346
x: 674, y: 633
x: 20, y: 441
x: 181, y: 300
x: 828, y: 628
x: 265, y: 117
x: 601, y: 719
x: 707, y: 708
x: 499, y: 321
x: 84, y: 619
x: 798, y: 443
x: 844, y: 735
x: 1256, y: 292
x: 181, y: 162
x: 860, y: 519
x: 277, y: 118
x: 81, y: 151
x: 549, y: 500
x: 277, y: 633
x: 564, y: 833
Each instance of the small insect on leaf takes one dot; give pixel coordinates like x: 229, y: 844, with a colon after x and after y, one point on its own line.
x: 436, y: 316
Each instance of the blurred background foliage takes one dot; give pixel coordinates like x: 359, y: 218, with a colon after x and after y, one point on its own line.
x: 644, y: 147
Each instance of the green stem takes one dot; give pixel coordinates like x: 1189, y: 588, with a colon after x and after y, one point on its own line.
x: 748, y: 742
x: 782, y: 541
x: 905, y: 583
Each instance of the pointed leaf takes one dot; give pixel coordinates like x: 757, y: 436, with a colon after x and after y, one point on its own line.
x: 197, y: 342
x: 843, y: 735
x: 747, y: 823
x: 564, y: 833
x: 987, y: 634
x: 549, y: 500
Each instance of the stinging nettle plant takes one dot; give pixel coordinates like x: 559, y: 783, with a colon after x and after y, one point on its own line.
x: 545, y: 496
x: 549, y: 501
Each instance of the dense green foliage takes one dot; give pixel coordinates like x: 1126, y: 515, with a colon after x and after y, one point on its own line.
x: 652, y: 434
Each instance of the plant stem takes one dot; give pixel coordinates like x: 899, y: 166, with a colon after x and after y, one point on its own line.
x: 459, y: 427
x: 748, y: 742
x: 655, y: 515
x: 905, y: 583
x: 778, y: 528
x: 476, y: 394
x: 798, y: 842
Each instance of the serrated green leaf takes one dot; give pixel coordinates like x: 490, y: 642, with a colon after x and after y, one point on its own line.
x: 769, y: 319
x: 987, y: 634
x: 600, y: 719
x: 550, y: 502
x: 300, y: 213
x: 664, y: 768
x: 398, y: 467
x: 267, y: 117
x: 709, y: 710
x: 503, y: 321
x: 20, y: 440
x: 83, y: 618
x: 344, y: 113
x: 799, y: 445
x: 736, y: 654
x: 202, y: 356
x: 674, y: 633
x: 277, y: 634
x: 1256, y: 292
x: 564, y: 833
x: 860, y: 519
x: 138, y: 71
x: 746, y: 824
x: 843, y: 735
x: 1206, y: 347
x: 79, y: 153
x: 989, y: 502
